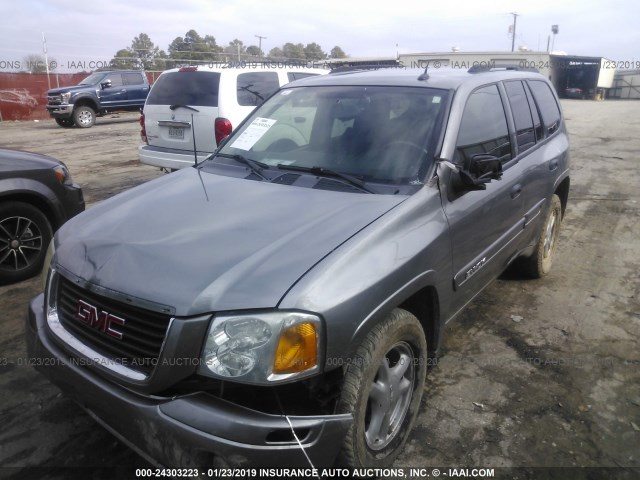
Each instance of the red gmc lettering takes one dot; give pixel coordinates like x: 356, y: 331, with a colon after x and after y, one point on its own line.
x: 103, y: 321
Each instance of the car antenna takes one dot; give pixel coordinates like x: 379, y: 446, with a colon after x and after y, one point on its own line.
x: 193, y: 135
x: 425, y: 75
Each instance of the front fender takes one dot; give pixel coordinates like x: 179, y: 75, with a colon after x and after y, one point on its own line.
x: 360, y: 282
x: 42, y: 195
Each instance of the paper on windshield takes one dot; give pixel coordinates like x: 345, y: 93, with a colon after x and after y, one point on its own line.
x: 253, y: 133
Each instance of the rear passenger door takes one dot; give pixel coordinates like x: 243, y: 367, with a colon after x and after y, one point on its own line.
x: 485, y: 225
x: 137, y: 89
x: 540, y: 149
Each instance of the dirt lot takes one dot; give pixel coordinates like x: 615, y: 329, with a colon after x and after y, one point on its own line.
x: 534, y: 374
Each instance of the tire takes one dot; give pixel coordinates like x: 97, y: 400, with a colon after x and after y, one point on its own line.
x: 539, y: 264
x: 65, y: 122
x: 25, y: 234
x: 394, y: 348
x: 84, y: 117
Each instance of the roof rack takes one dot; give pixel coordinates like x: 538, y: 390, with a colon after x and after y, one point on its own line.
x: 363, y: 66
x: 492, y: 67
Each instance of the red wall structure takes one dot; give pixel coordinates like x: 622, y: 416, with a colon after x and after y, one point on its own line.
x: 23, y: 96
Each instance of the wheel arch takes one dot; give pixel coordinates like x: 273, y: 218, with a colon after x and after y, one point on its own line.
x: 38, y: 201
x: 425, y: 306
x: 86, y: 102
x: 562, y: 191
x: 420, y: 298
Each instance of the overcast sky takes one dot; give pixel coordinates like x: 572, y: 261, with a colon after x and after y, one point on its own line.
x: 87, y: 30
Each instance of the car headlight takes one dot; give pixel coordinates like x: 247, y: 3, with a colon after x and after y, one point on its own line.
x: 65, y: 97
x: 262, y: 348
x: 62, y: 174
x: 51, y: 251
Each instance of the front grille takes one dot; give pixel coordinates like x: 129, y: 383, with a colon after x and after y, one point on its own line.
x: 142, y: 333
x: 55, y: 99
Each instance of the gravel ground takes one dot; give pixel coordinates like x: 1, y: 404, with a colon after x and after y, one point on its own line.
x: 535, y: 373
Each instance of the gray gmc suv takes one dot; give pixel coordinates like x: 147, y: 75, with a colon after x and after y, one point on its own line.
x: 279, y: 303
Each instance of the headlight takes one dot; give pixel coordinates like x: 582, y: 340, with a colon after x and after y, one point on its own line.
x: 51, y: 250
x: 262, y: 348
x: 62, y: 174
x: 65, y: 97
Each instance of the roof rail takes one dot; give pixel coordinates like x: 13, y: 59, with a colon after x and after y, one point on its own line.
x: 488, y: 67
x: 363, y: 66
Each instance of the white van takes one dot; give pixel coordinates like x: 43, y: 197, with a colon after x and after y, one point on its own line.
x: 190, y: 109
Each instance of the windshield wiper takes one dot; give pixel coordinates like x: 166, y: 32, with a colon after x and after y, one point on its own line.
x: 178, y: 105
x: 327, y: 172
x: 254, y: 165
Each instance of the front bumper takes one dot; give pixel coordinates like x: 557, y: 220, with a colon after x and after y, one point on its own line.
x: 64, y: 110
x: 73, y: 201
x: 185, y: 430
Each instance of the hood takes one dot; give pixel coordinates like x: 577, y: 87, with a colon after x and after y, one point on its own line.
x: 14, y: 160
x: 201, y: 242
x: 72, y: 88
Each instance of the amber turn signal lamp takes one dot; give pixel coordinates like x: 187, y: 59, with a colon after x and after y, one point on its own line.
x: 297, y: 349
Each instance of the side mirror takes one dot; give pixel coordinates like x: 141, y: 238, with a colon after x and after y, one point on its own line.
x: 479, y: 170
x: 106, y: 84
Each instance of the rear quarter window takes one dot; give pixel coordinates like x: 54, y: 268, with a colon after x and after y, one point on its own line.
x: 186, y: 88
x: 547, y: 104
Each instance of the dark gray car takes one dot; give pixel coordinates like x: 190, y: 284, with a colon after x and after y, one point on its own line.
x: 37, y: 195
x: 279, y: 304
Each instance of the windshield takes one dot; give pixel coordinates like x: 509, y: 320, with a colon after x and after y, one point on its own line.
x: 377, y: 134
x: 92, y: 79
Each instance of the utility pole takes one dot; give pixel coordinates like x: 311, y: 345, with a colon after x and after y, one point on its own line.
x: 513, y: 32
x: 260, y: 45
x: 46, y: 59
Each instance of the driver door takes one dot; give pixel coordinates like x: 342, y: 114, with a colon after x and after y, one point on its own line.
x: 484, y: 224
x: 115, y: 95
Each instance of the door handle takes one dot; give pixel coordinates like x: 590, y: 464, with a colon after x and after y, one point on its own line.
x: 553, y: 164
x: 516, y: 190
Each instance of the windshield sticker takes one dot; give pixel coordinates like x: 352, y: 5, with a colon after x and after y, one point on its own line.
x: 436, y: 100
x: 253, y: 133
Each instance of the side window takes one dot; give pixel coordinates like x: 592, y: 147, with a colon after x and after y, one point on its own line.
x: 298, y: 75
x: 483, y: 129
x: 116, y: 79
x: 537, y: 123
x: 525, y: 135
x: 547, y: 104
x: 133, y: 78
x: 254, y: 88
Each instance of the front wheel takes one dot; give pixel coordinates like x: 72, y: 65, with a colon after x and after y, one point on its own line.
x: 382, y: 389
x: 84, y: 117
x: 25, y: 234
x: 65, y: 122
x: 539, y: 264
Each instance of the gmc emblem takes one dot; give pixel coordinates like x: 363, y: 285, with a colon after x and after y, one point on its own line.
x: 103, y: 321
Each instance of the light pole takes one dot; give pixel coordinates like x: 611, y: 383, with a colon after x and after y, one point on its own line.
x: 554, y: 30
x: 513, y: 32
x: 259, y: 45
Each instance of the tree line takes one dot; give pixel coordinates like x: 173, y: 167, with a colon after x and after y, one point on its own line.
x: 193, y: 49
